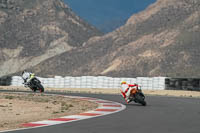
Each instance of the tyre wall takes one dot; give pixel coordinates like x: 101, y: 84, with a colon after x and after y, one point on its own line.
x: 147, y: 83
x: 5, y: 81
x: 182, y: 84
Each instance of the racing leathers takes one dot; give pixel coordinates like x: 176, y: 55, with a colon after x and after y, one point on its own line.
x: 27, y: 77
x: 126, y: 91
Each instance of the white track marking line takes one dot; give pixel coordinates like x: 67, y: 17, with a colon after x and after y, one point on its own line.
x: 49, y: 122
x: 76, y: 117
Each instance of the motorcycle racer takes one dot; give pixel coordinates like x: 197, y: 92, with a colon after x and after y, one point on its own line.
x: 32, y: 82
x: 27, y: 77
x: 126, y: 90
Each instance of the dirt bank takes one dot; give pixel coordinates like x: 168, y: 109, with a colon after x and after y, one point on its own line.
x: 16, y: 109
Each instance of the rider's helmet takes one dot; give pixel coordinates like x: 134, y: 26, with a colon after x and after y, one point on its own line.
x: 123, y: 82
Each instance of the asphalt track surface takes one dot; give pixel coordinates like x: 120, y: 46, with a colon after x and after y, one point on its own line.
x: 161, y: 115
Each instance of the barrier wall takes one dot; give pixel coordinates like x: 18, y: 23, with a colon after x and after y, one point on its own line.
x: 182, y: 84
x: 147, y: 83
x: 5, y: 81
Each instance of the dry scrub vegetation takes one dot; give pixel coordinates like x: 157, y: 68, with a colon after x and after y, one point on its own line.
x: 16, y: 109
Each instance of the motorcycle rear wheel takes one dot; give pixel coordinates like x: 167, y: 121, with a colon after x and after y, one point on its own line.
x: 143, y: 103
x: 40, y: 87
x: 139, y: 98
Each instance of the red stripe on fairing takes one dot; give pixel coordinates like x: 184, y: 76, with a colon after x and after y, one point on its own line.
x: 112, y: 105
x: 89, y: 114
x: 33, y: 125
x: 130, y: 85
x: 63, y: 119
x: 106, y: 110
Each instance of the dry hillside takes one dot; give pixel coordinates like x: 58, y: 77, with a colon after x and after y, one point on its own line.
x: 163, y: 40
x: 35, y: 30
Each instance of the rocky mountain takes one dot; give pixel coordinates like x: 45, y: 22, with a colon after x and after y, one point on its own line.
x: 163, y: 40
x: 35, y: 30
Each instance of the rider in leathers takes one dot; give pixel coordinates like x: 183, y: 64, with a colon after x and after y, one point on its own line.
x: 126, y: 90
x: 27, y: 77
